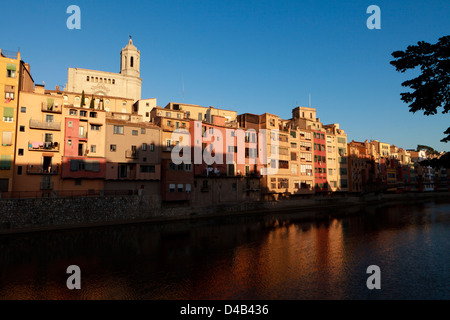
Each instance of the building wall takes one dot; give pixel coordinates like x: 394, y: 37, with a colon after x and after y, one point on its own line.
x: 133, y: 153
x: 126, y: 84
x: 9, y: 88
x: 144, y: 107
x: 209, y: 191
x: 40, y: 142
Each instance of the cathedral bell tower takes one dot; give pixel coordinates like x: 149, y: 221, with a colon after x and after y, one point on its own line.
x: 130, y: 59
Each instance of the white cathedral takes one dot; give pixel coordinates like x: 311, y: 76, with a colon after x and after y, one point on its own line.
x: 126, y: 84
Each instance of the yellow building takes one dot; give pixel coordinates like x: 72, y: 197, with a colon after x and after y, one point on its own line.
x: 14, y: 75
x: 39, y: 141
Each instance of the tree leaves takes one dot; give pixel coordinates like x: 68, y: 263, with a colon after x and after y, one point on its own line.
x: 431, y: 89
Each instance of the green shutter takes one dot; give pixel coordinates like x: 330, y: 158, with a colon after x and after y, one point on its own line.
x: 5, y: 162
x: 8, y: 112
x: 10, y: 66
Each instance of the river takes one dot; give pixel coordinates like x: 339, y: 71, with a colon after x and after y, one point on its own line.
x: 275, y: 256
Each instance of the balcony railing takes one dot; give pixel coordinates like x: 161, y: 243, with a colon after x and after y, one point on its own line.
x: 50, y: 108
x: 130, y: 154
x: 43, y: 146
x: 46, y: 185
x: 36, y: 124
x: 83, y: 135
x: 39, y: 169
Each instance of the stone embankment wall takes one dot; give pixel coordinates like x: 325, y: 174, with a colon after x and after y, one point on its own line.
x: 18, y: 215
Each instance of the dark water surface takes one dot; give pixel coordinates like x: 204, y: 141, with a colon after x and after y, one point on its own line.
x: 276, y: 256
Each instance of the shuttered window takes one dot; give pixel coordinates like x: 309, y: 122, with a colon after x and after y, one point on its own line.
x: 6, y: 138
x: 5, y: 162
x: 74, y: 165
x: 8, y: 112
x: 10, y: 66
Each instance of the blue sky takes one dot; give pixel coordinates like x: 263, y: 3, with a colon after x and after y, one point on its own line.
x: 249, y: 56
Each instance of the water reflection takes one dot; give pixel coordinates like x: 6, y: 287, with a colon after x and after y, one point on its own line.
x: 277, y: 256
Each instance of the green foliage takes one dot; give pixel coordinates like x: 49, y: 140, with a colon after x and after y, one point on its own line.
x: 426, y: 148
x: 82, y: 99
x: 92, y: 104
x: 441, y: 162
x: 431, y: 89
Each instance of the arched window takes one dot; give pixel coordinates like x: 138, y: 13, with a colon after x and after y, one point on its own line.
x: 131, y: 62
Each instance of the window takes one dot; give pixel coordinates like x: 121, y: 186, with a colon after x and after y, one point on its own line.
x: 147, y: 168
x: 168, y: 143
x: 5, y: 162
x: 144, y: 147
x: 22, y: 128
x: 172, y: 166
x: 93, y: 114
x: 143, y: 130
x: 10, y: 70
x: 234, y: 186
x: 23, y: 109
x: 77, y: 182
x: 83, y: 113
x: 19, y: 170
x: 199, y: 117
x: 73, y: 112
x: 294, y: 169
x: 93, y: 148
x: 7, y: 138
x: 112, y: 147
x: 118, y: 129
x: 134, y: 132
x: 69, y: 142
x: 8, y: 114
x: 188, y: 167
x: 188, y: 188
x: 20, y: 152
x: 95, y: 127
x: 70, y: 124
x: 180, y: 167
x: 152, y: 147
x: 180, y: 187
x: 172, y: 187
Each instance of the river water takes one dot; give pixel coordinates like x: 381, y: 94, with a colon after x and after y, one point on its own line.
x: 275, y: 256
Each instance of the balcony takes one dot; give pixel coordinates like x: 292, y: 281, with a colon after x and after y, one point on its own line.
x: 39, y: 169
x: 43, y: 146
x: 83, y: 135
x: 50, y: 108
x: 130, y: 154
x: 36, y: 124
x: 46, y: 185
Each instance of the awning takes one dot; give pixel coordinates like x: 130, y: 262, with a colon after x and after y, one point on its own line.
x: 10, y: 66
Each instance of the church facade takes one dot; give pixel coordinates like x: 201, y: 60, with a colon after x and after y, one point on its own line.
x: 126, y: 84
